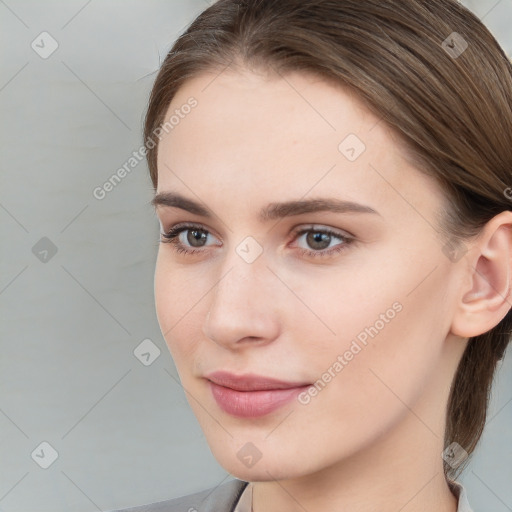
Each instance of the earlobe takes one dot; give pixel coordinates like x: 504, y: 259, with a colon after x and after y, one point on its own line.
x: 489, y: 297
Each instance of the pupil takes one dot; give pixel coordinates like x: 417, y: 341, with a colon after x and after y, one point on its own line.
x: 195, y: 235
x: 316, y: 238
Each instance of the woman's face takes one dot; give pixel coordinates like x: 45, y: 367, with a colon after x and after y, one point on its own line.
x: 353, y: 302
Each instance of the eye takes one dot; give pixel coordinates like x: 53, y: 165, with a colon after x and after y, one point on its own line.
x: 191, y: 239
x: 320, y: 239
x: 195, y: 235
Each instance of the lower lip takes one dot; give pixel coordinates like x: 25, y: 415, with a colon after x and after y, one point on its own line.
x: 251, y: 404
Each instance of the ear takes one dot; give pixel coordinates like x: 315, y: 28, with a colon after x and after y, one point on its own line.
x: 486, y: 296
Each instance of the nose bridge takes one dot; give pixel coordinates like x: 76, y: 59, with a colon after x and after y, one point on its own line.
x: 239, y: 304
x: 241, y: 282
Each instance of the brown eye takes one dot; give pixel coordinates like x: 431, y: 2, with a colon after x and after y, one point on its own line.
x: 192, y: 243
x: 318, y: 241
x: 196, y: 236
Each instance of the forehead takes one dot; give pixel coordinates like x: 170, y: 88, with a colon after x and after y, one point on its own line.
x: 286, y: 109
x: 270, y: 136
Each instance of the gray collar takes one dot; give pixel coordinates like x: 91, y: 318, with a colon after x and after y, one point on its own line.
x: 244, y: 497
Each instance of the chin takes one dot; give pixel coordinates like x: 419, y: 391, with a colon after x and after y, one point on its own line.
x: 260, y: 472
x: 275, y: 465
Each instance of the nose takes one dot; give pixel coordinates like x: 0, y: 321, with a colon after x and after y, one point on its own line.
x: 244, y: 305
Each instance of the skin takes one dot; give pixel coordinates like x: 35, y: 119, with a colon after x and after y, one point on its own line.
x: 372, y: 438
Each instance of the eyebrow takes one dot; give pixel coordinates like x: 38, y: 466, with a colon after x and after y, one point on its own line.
x: 271, y: 211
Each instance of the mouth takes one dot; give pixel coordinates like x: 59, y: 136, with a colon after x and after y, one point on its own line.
x: 251, y: 395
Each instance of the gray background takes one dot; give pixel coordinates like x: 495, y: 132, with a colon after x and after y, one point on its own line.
x: 70, y: 322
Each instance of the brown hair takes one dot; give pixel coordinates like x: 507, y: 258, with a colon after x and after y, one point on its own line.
x: 450, y: 106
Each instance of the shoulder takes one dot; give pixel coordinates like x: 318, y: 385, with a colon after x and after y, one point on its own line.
x: 222, y: 498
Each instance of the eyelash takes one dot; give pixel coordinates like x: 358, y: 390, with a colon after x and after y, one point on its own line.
x: 172, y: 237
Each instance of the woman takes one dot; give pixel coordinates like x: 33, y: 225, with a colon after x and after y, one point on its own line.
x: 332, y: 185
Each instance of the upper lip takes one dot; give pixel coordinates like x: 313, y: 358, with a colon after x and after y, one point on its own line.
x: 250, y: 381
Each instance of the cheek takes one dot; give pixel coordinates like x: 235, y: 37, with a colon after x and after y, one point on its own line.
x: 353, y: 302
x: 178, y: 290
x: 166, y: 298
x: 385, y: 330
x: 176, y: 304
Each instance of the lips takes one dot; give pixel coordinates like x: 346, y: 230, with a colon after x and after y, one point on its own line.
x: 250, y: 395
x: 250, y: 382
